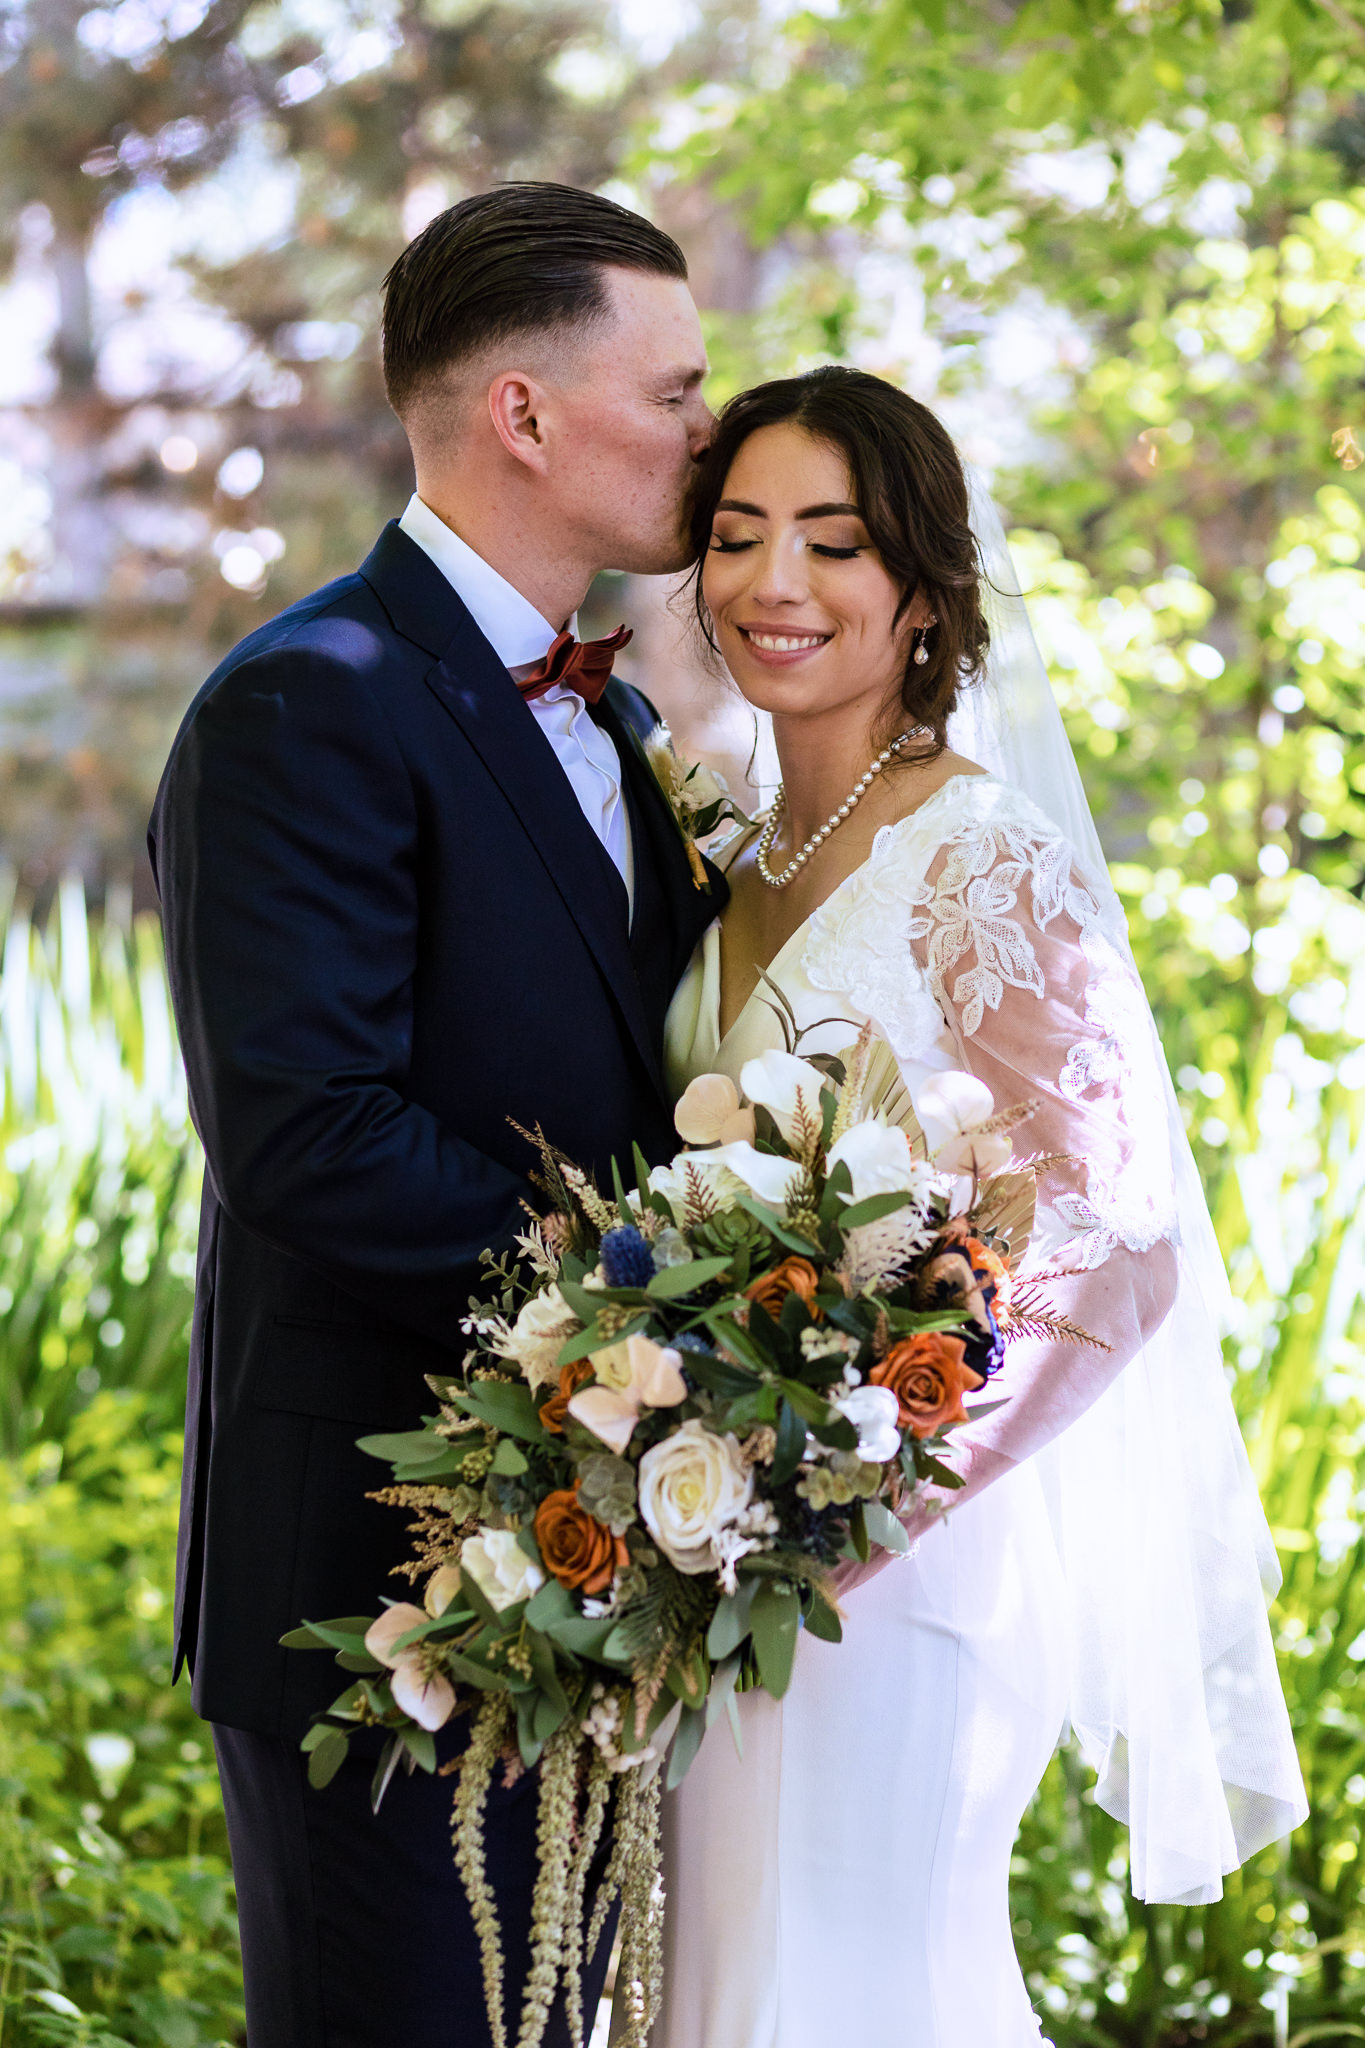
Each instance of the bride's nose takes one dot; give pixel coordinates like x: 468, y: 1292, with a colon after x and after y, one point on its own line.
x: 782, y: 576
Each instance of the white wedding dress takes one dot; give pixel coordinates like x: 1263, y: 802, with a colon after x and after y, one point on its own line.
x: 847, y: 1878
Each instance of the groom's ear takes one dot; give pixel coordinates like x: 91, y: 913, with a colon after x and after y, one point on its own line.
x: 515, y: 401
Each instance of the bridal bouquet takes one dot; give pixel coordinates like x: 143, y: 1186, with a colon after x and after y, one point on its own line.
x: 689, y: 1399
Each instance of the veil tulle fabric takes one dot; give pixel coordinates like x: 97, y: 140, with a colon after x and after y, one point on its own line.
x: 1168, y: 1561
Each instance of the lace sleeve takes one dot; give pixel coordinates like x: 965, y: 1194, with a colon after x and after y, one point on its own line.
x: 1044, y: 1005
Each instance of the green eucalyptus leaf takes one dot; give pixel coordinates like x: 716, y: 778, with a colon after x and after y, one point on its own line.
x: 326, y: 1759
x: 730, y: 1622
x: 718, y: 1375
x: 686, y: 1743
x: 550, y: 1603
x: 883, y: 1528
x: 672, y: 1283
x: 871, y: 1210
x: 406, y: 1447
x: 857, y: 1532
x: 822, y: 1618
x: 774, y: 1622
x: 813, y: 1408
x: 420, y: 1744
x: 507, y: 1405
x: 584, y: 1342
x: 791, y: 1444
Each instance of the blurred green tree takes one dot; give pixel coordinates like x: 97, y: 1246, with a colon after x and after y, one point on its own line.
x: 215, y: 442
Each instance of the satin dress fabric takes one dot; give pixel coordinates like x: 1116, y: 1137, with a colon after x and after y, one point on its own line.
x: 848, y: 1876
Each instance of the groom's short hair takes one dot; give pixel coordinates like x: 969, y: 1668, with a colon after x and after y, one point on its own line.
x: 520, y: 260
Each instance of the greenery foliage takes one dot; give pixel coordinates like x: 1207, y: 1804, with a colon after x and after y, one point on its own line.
x: 116, y: 1917
x: 117, y: 1927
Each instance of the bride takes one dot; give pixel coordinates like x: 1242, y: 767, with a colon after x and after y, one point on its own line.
x: 1103, y: 1564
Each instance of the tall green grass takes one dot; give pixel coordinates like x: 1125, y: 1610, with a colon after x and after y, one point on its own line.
x: 116, y: 1915
x: 99, y: 1171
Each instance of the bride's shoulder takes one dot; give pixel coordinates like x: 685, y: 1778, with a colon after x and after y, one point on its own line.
x: 969, y: 809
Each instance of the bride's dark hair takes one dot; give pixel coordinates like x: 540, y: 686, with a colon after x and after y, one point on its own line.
x: 909, y: 486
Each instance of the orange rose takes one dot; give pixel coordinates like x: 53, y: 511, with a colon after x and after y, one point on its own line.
x: 793, y: 1276
x: 928, y: 1375
x: 577, y: 1549
x: 571, y: 1378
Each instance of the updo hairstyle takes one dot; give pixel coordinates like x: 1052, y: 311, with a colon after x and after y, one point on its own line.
x: 910, y: 489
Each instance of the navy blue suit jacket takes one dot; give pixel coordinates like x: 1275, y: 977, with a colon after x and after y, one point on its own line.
x: 389, y: 929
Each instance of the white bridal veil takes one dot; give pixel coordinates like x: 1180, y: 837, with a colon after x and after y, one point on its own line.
x: 1175, y: 1698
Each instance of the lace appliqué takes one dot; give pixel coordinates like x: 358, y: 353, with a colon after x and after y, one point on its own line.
x: 858, y: 947
x: 997, y: 846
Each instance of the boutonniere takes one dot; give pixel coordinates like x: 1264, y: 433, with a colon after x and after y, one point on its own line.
x: 696, y: 797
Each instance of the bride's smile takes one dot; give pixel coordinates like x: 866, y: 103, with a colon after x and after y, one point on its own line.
x: 806, y: 615
x: 832, y: 583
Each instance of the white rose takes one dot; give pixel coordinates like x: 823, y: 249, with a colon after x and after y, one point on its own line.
x: 537, y: 1336
x: 874, y: 1413
x: 692, y: 1486
x: 950, y: 1107
x: 777, y: 1080
x: 500, y: 1568
x: 709, y: 1112
x: 880, y: 1162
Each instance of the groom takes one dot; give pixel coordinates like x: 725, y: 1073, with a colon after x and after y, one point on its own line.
x: 416, y: 882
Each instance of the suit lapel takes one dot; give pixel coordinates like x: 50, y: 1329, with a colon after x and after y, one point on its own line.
x: 471, y: 684
x: 692, y: 908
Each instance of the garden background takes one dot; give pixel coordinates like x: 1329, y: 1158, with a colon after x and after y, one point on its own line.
x: 1119, y: 245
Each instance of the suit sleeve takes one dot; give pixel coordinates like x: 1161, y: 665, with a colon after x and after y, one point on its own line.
x: 285, y: 843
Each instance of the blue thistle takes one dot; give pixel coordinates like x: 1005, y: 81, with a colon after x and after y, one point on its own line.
x: 627, y: 1260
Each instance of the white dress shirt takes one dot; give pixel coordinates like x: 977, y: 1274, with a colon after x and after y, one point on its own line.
x: 519, y: 636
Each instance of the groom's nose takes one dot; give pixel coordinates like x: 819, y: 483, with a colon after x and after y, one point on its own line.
x: 701, y: 430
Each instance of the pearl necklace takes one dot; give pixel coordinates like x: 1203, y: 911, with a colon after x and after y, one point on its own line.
x: 831, y: 824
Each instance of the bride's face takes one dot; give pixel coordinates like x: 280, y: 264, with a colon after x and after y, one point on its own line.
x: 803, y: 609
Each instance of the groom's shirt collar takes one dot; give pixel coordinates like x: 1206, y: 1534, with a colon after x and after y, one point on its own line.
x: 519, y: 636
x: 509, y: 622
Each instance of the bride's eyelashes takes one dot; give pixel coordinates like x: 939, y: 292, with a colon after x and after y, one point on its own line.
x: 738, y: 547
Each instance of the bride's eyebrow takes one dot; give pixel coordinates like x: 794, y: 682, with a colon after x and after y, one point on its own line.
x: 810, y: 512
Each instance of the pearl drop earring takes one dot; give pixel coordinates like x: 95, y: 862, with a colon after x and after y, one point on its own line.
x: 921, y: 651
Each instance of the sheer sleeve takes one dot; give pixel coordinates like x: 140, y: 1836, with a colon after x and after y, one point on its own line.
x: 1043, y: 1005
x: 1165, y: 1554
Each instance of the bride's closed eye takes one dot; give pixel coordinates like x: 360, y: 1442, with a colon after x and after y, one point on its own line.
x: 721, y: 546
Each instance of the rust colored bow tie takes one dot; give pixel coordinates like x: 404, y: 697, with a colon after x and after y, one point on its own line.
x: 581, y: 665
